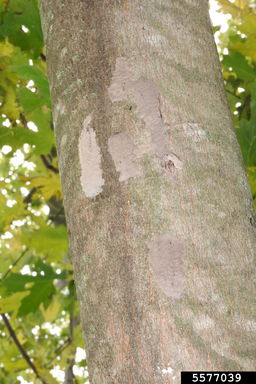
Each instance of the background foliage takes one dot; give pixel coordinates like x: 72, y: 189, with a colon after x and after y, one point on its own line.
x: 40, y: 334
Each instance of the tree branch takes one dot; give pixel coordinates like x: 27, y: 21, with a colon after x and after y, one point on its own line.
x: 62, y: 347
x: 20, y: 347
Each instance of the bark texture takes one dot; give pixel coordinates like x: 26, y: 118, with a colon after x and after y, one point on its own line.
x: 158, y: 207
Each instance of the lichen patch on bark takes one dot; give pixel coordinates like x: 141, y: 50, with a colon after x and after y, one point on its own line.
x: 144, y: 93
x: 123, y: 152
x: 202, y: 322
x: 166, y: 259
x: 90, y: 161
x: 63, y: 140
x: 195, y: 131
x: 165, y: 371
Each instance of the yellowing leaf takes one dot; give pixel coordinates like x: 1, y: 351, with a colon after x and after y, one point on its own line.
x: 242, y: 4
x: 49, y: 186
x: 44, y: 373
x: 8, y: 214
x: 15, y: 365
x: 2, y: 201
x: 40, y: 352
x: 8, y: 350
x: 249, y: 24
x: 247, y: 48
x: 10, y: 107
x: 234, y: 9
x: 51, y: 312
x: 15, y: 246
x: 11, y: 303
x: 227, y: 74
x: 77, y: 339
x: 6, y: 48
x: 20, y: 335
x: 68, y: 354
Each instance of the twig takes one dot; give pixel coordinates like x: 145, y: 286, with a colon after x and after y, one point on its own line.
x: 13, y: 265
x: 62, y: 347
x: 233, y: 94
x: 53, y: 217
x: 243, y: 107
x: 27, y: 199
x: 19, y: 346
x: 49, y: 165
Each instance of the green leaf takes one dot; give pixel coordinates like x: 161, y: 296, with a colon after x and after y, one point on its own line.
x: 29, y: 72
x: 48, y: 240
x: 29, y: 100
x: 21, y: 13
x: 16, y: 282
x: 37, y: 289
x: 17, y: 136
x: 41, y: 292
x: 240, y: 66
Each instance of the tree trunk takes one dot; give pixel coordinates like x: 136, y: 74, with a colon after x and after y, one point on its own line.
x: 159, y: 212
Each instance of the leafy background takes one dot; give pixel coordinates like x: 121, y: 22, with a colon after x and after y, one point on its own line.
x: 40, y: 333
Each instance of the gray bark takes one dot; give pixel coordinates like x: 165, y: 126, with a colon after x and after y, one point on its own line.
x: 156, y: 198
